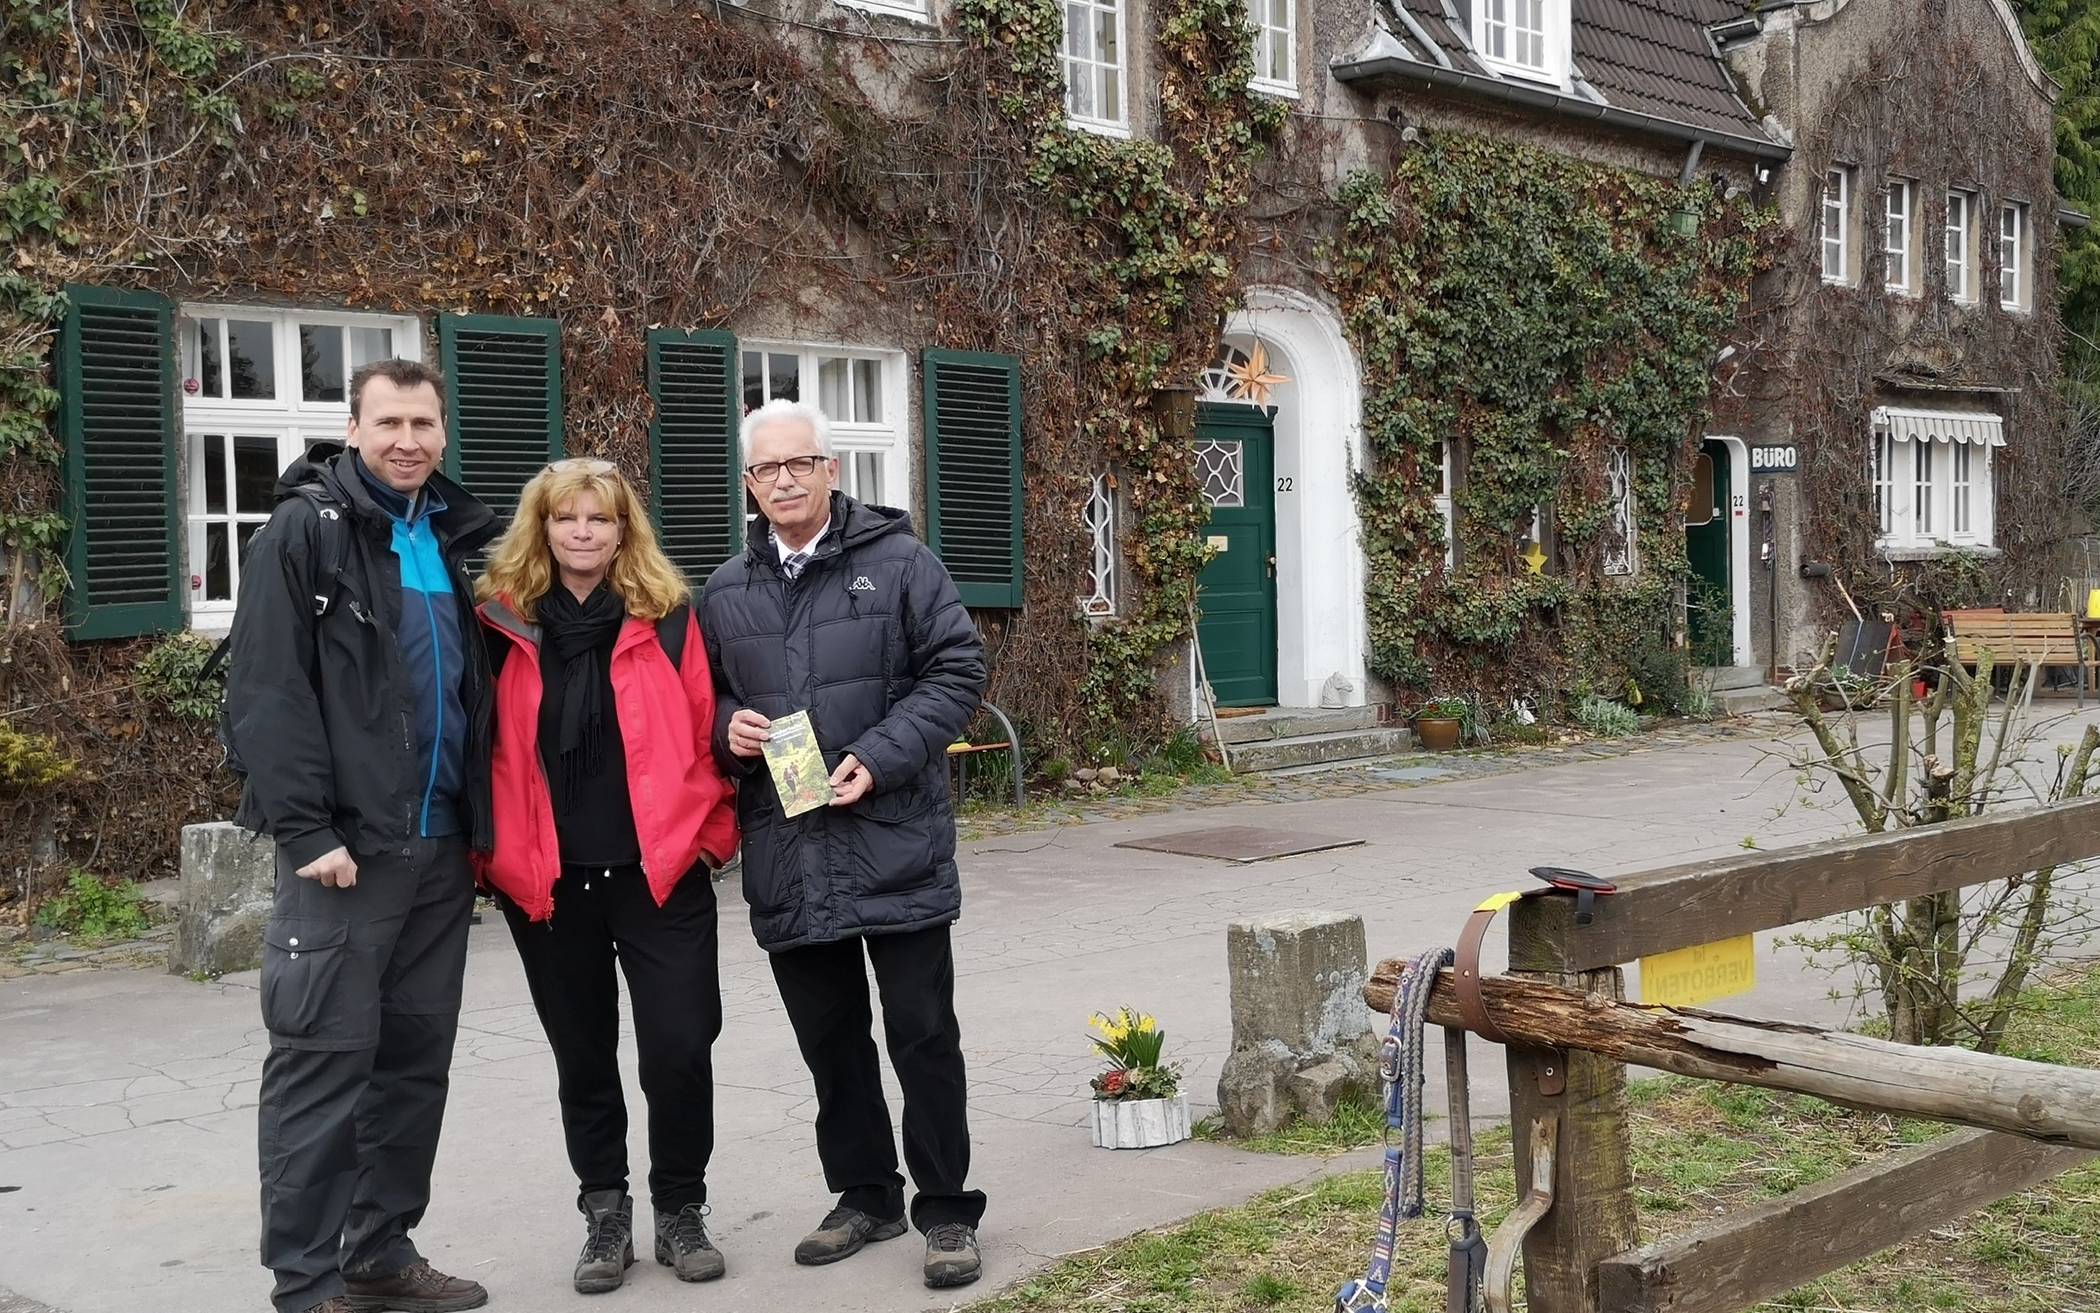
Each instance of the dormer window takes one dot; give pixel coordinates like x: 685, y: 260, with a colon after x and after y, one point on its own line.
x: 1523, y: 38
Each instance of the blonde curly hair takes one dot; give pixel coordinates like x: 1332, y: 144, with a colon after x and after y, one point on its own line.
x: 521, y: 566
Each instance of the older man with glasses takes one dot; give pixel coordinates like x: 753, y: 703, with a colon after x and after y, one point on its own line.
x: 838, y: 610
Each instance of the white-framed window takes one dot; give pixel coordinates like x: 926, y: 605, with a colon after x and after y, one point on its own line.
x: 2012, y: 256
x: 1527, y: 38
x: 861, y: 391
x: 1275, y: 46
x: 260, y: 385
x: 1099, y: 520
x: 911, y: 9
x: 1837, y: 225
x: 1531, y: 552
x: 1898, y: 234
x: 1619, y: 556
x: 1961, y: 245
x: 1443, y: 505
x: 1932, y: 478
x: 1096, y: 72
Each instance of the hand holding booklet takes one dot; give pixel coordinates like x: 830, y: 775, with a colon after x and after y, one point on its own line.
x: 797, y: 764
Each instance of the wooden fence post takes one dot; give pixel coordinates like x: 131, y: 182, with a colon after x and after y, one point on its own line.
x: 1592, y: 1218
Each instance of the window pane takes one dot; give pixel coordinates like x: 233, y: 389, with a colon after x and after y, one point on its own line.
x: 832, y: 396
x: 1280, y: 14
x: 1077, y: 45
x: 1111, y: 95
x: 212, y: 450
x: 368, y: 345
x: 251, y: 357
x: 254, y: 475
x: 867, y: 391
x: 783, y: 377
x: 754, y: 381
x: 218, y: 563
x: 210, y: 380
x: 320, y: 362
x: 867, y: 477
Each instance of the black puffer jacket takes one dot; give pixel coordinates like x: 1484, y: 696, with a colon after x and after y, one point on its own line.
x: 872, y: 639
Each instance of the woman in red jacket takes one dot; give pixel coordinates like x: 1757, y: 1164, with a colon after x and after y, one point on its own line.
x: 609, y: 810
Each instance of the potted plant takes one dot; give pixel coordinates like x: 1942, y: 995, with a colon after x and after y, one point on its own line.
x: 1138, y: 1100
x: 1440, y: 723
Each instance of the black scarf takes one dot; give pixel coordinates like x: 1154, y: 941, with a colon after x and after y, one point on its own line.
x: 580, y: 635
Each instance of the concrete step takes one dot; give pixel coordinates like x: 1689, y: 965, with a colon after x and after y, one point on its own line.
x: 1743, y: 701
x: 1294, y: 723
x: 1728, y: 678
x: 1320, y: 750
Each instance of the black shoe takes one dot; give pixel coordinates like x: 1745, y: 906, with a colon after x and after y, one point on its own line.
x: 608, y: 1241
x: 682, y: 1245
x: 951, y: 1255
x: 842, y: 1234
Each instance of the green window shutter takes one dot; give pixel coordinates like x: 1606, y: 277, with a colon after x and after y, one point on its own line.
x: 117, y: 384
x: 503, y: 419
x: 973, y: 473
x: 696, y: 491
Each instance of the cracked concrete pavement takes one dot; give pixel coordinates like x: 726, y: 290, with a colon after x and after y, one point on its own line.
x: 127, y: 1121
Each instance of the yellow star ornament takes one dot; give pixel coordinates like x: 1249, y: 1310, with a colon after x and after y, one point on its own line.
x: 1251, y: 379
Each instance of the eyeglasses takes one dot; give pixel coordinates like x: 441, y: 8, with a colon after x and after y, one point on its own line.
x: 587, y: 464
x: 800, y: 466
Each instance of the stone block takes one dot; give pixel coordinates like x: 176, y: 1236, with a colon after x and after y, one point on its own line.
x: 228, y: 880
x: 1302, y: 1041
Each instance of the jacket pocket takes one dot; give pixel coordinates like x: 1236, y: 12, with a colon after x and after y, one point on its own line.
x: 894, y: 839
x: 310, y: 995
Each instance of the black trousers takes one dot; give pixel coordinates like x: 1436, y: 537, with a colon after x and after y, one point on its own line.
x: 360, y: 994
x: 674, y: 990
x: 825, y: 988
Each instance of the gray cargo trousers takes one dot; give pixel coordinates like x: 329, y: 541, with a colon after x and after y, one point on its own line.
x: 360, y: 995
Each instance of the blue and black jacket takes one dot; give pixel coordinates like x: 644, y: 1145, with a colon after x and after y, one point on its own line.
x: 358, y: 709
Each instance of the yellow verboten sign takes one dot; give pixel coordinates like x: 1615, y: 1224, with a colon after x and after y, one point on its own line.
x: 1687, y: 977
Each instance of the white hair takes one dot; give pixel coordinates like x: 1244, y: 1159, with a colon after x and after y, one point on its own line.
x: 780, y: 410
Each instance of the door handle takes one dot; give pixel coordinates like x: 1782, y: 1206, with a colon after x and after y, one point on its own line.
x: 1272, y: 566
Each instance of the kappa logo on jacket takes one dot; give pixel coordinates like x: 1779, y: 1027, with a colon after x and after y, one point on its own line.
x: 861, y: 584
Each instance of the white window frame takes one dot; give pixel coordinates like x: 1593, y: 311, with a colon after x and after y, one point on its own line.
x: 1098, y: 518
x: 1267, y: 37
x: 2012, y: 256
x: 1502, y: 21
x: 917, y: 13
x: 1837, y: 212
x: 1099, y: 72
x: 1931, y: 494
x: 289, y: 420
x: 1961, y: 246
x: 1619, y: 494
x: 887, y: 440
x: 1899, y: 234
x: 1444, y: 508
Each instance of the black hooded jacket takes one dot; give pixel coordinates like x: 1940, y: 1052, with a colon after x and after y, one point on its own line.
x: 324, y: 718
x: 873, y: 641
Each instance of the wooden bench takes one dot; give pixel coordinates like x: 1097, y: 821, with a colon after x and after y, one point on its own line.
x: 2038, y: 638
x: 962, y: 750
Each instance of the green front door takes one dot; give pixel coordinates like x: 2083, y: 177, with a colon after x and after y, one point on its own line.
x: 1236, y: 593
x: 1710, y: 597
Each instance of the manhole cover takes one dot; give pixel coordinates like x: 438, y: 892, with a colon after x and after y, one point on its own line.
x: 1240, y: 843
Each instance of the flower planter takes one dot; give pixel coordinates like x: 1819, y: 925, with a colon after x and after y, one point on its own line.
x: 1140, y: 1123
x: 1437, y: 735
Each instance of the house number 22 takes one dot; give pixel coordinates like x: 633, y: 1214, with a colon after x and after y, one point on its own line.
x: 1283, y: 484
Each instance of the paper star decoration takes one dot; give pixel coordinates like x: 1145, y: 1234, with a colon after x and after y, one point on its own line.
x: 1251, y: 379
x: 1534, y: 558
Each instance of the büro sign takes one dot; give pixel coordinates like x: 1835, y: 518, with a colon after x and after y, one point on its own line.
x: 1783, y: 458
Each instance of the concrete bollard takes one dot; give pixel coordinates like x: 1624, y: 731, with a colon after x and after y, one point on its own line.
x: 1302, y: 1042
x: 228, y: 880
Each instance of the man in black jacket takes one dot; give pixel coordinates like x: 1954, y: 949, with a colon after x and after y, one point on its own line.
x: 838, y: 610
x: 357, y: 710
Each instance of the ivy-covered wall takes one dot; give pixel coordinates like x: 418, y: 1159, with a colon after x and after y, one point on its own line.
x: 1538, y: 311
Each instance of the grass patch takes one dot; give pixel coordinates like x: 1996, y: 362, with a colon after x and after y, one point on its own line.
x: 88, y: 911
x: 1700, y: 1149
x: 1355, y: 1124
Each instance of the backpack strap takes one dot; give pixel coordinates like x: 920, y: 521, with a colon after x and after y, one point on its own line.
x: 328, y: 568
x: 670, y: 632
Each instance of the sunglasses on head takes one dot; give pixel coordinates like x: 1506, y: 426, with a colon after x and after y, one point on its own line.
x: 587, y: 464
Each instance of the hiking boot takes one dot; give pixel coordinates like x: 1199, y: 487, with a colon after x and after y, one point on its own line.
x: 337, y: 1304
x: 682, y: 1245
x: 608, y: 1241
x: 417, y: 1288
x: 951, y: 1255
x: 842, y: 1234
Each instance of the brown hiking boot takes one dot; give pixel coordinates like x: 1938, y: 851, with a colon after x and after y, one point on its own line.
x: 608, y: 1242
x: 417, y: 1288
x: 843, y: 1233
x: 951, y: 1255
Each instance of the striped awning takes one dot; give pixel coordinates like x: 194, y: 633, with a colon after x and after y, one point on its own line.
x: 1939, y: 426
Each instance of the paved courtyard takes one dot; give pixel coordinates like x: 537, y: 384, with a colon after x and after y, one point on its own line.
x: 127, y: 1122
